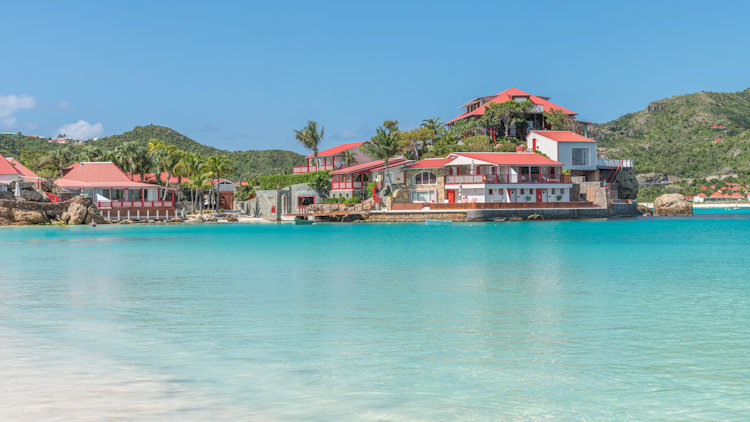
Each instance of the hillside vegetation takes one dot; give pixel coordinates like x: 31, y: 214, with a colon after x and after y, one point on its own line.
x: 674, y: 137
x: 249, y: 163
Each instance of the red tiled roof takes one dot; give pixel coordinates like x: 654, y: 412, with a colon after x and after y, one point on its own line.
x: 98, y: 174
x: 562, y: 136
x: 372, y: 166
x: 704, y: 187
x: 736, y: 195
x: 508, y: 95
x: 701, y: 195
x: 717, y: 195
x: 510, y: 158
x: 430, y: 163
x: 22, y: 169
x: 337, y: 149
x: 7, y: 168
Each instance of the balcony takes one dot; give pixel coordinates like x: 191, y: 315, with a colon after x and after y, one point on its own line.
x: 348, y: 185
x: 503, y: 179
x: 115, y: 205
x: 312, y: 168
x: 613, y: 163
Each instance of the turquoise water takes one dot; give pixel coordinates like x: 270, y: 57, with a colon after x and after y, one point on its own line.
x: 642, y: 319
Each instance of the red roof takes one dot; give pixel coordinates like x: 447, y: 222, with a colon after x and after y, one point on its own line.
x: 732, y: 184
x: 7, y: 168
x: 430, y: 163
x: 701, y: 195
x: 717, y: 195
x: 336, y: 150
x: 562, y: 136
x: 508, y: 95
x: 23, y: 169
x: 718, y: 140
x: 371, y: 166
x: 736, y: 195
x: 704, y: 187
x: 97, y: 174
x: 510, y: 158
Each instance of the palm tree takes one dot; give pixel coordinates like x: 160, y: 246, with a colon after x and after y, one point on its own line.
x: 383, y: 146
x: 217, y: 167
x: 197, y: 183
x: 348, y: 157
x: 311, y: 138
x: 192, y: 165
x: 90, y: 153
x: 60, y: 157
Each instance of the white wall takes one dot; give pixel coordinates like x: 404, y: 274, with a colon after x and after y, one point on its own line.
x: 563, y: 151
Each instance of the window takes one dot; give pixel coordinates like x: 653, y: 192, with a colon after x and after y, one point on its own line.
x: 523, y: 191
x: 134, y: 195
x: 490, y: 191
x: 580, y: 156
x: 425, y: 178
x: 553, y: 191
x: 423, y: 196
x: 305, y: 200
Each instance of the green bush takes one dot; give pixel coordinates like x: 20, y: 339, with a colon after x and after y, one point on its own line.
x: 284, y: 180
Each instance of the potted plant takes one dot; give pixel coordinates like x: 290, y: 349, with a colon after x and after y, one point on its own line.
x: 528, y: 198
x: 559, y: 197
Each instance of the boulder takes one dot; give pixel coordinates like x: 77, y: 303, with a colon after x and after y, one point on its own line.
x: 644, y: 210
x: 176, y: 220
x: 672, y: 205
x: 126, y: 222
x: 232, y: 219
x: 400, y: 196
x: 210, y: 218
x: 32, y: 195
x: 24, y: 184
x: 535, y: 217
x: 29, y: 216
x: 7, y: 195
x: 93, y: 215
x: 77, y: 213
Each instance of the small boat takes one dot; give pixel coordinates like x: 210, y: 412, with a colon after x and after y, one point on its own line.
x: 429, y: 222
x: 303, y: 221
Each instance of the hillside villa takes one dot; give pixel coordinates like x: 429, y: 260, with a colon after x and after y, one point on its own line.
x: 332, y: 158
x: 114, y: 193
x: 534, y: 118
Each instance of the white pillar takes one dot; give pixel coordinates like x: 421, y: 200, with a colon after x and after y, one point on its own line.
x: 128, y: 214
x: 157, y: 214
x: 118, y: 214
x: 138, y: 214
x: 148, y: 214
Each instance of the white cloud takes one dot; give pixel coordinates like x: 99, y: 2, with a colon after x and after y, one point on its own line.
x: 10, y: 104
x: 81, y: 130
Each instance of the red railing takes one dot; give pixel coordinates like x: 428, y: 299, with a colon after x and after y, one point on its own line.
x: 312, y: 168
x: 133, y: 204
x: 507, y: 178
x: 54, y: 198
x: 348, y: 185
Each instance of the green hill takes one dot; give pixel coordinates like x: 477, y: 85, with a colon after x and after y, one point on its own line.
x: 674, y: 137
x: 252, y: 163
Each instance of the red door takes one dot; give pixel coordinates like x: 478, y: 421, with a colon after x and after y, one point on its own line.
x: 451, y: 196
x: 538, y: 195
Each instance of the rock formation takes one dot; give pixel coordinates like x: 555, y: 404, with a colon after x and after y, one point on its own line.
x: 23, y: 212
x: 644, y: 210
x: 672, y: 205
x: 627, y: 184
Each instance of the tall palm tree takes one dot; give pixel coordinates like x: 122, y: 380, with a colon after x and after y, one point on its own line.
x: 90, y: 153
x: 60, y: 157
x: 217, y: 167
x: 311, y: 138
x: 383, y: 146
x: 348, y: 157
x: 192, y: 165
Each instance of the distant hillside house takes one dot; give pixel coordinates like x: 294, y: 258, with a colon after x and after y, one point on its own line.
x: 332, y: 158
x: 535, y: 118
x: 114, y: 193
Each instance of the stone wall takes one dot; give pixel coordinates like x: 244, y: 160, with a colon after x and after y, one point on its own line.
x: 416, y: 217
x: 268, y: 205
x: 439, y: 187
x: 76, y: 211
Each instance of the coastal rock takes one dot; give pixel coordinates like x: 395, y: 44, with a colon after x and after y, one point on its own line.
x: 176, y: 220
x: 535, y: 217
x: 76, y: 213
x: 232, y: 219
x: 644, y: 210
x: 126, y: 222
x: 400, y: 196
x: 29, y: 217
x: 33, y: 195
x: 673, y: 205
x: 627, y: 184
x: 24, y: 185
x: 209, y: 218
x: 652, y: 179
x: 7, y: 195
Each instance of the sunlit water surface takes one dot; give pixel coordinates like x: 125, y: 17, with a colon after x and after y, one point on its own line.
x: 620, y: 319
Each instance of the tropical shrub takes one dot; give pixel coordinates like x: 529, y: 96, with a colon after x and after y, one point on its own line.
x: 284, y: 180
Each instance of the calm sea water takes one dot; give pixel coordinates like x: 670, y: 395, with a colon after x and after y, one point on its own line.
x: 600, y: 320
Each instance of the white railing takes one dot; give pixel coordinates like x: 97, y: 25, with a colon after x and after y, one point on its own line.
x: 108, y: 205
x: 613, y: 163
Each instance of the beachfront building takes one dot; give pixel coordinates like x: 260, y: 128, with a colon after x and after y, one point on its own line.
x: 487, y: 177
x: 114, y: 193
x: 333, y: 159
x: 534, y: 118
x: 352, y: 181
x: 11, y: 170
x: 577, y: 153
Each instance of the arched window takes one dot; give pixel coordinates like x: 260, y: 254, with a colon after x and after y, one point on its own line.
x: 425, y: 178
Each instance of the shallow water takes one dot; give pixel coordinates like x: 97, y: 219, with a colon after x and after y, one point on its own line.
x: 617, y: 319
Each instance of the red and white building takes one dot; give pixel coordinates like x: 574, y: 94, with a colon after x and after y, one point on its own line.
x: 485, y: 177
x: 11, y: 169
x: 535, y: 118
x: 116, y: 196
x: 332, y: 158
x: 352, y: 181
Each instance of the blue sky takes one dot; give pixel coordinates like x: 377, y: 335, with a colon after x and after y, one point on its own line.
x: 243, y: 75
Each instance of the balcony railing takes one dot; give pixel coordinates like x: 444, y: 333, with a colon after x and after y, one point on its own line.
x: 312, y: 168
x: 613, y: 163
x: 500, y: 179
x: 114, y: 205
x: 348, y: 185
